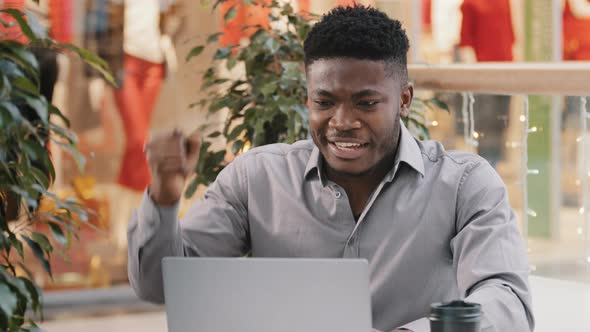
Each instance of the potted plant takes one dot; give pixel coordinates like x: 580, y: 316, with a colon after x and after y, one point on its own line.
x: 28, y: 123
x: 265, y: 104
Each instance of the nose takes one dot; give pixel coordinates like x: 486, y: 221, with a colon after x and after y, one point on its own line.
x: 344, y: 119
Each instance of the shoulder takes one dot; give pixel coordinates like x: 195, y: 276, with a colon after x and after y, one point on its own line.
x: 277, y: 155
x: 457, y: 167
x: 433, y: 152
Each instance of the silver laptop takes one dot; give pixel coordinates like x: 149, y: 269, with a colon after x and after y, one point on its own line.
x: 266, y: 295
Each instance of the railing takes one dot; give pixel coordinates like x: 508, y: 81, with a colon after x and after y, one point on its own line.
x: 524, y: 80
x: 561, y: 79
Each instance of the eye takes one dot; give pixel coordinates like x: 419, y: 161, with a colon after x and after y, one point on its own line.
x: 323, y: 104
x: 368, y: 103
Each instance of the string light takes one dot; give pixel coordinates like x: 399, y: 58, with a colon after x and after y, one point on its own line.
x: 525, y: 168
x: 473, y: 135
x: 512, y: 144
x: 584, y: 115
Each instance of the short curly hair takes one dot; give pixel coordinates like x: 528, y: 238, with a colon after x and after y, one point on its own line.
x: 358, y: 32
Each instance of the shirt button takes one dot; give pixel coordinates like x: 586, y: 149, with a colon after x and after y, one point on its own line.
x: 338, y: 194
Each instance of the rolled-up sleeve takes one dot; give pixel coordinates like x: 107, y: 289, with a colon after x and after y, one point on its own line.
x: 489, y: 255
x: 214, y: 226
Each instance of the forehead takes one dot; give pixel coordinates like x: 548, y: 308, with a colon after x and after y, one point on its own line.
x: 351, y: 74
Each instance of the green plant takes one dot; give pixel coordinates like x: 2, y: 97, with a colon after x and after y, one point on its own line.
x: 267, y: 103
x: 416, y: 121
x: 27, y: 125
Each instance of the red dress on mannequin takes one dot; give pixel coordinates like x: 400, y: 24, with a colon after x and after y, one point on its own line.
x: 576, y: 36
x: 487, y: 28
x: 143, y: 73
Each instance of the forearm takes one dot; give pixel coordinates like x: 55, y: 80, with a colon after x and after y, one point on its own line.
x: 502, y: 308
x: 153, y: 234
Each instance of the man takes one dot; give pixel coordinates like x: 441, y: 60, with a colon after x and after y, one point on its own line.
x: 434, y: 225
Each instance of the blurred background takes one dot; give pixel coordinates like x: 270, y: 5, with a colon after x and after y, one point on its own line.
x: 146, y: 41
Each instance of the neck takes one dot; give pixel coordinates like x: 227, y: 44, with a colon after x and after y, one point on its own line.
x: 359, y: 187
x: 366, y: 181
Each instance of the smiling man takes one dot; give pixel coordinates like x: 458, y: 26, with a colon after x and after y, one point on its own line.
x: 434, y: 225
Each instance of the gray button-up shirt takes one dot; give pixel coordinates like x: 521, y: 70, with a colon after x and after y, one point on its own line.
x: 438, y: 227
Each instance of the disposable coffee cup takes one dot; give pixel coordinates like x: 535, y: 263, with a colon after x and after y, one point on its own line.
x: 455, y: 316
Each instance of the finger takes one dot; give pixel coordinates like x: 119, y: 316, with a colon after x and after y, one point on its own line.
x: 193, y: 144
x: 171, y: 165
x: 193, y: 148
x: 168, y: 141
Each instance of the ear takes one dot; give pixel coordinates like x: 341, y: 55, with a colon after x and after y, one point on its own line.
x: 406, y: 99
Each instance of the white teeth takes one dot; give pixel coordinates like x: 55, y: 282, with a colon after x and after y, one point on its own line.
x: 346, y: 145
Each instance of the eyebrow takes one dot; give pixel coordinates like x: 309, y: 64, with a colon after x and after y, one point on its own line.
x: 356, y: 95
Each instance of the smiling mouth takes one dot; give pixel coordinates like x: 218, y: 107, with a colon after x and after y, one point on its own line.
x: 348, y: 146
x: 347, y: 150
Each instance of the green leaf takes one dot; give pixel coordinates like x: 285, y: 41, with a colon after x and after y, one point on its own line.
x: 214, y: 37
x: 272, y: 45
x: 39, y: 105
x: 231, y: 63
x: 222, y: 53
x: 5, y: 86
x: 9, y: 300
x: 24, y: 26
x: 237, y: 146
x: 58, y: 234
x: 291, y: 70
x: 22, y: 57
x: 34, y: 294
x: 17, y: 245
x: 93, y: 60
x: 237, y: 131
x: 194, y: 52
x: 10, y: 69
x: 230, y: 14
x: 27, y: 193
x: 11, y: 109
x: 26, y: 85
x: 191, y: 188
x: 64, y: 133
x: 38, y: 252
x: 269, y: 88
x: 260, y: 35
x: 33, y: 149
x: 438, y: 103
x: 55, y: 111
x: 214, y: 134
x: 76, y: 154
x: 42, y: 241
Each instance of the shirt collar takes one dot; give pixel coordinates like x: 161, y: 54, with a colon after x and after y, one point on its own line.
x: 408, y: 151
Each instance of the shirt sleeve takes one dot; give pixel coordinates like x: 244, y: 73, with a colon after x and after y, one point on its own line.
x: 419, y: 325
x: 214, y: 226
x: 489, y: 255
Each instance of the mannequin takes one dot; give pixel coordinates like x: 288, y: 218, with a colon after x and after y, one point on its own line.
x: 142, y: 75
x: 576, y: 27
x: 487, y: 34
x: 576, y: 47
x: 446, y: 23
